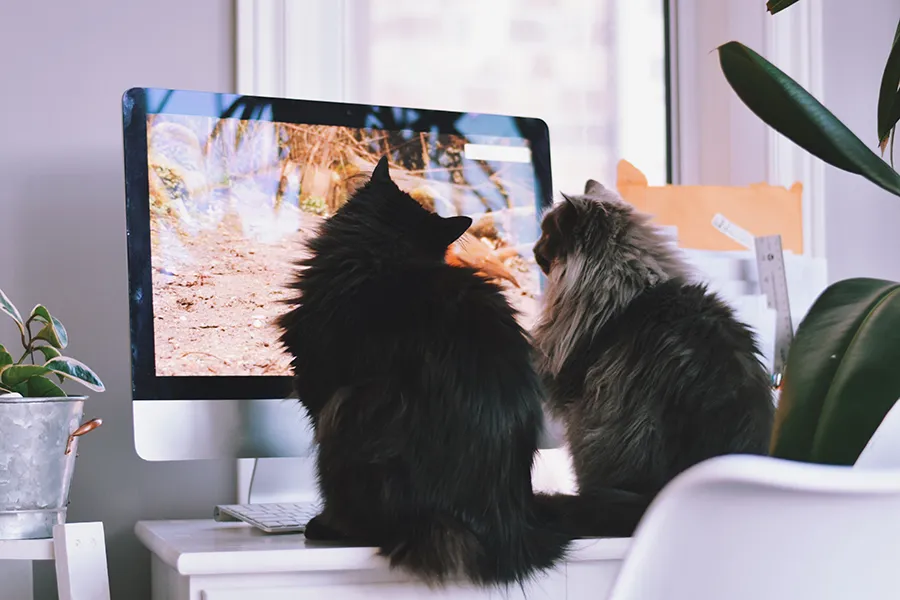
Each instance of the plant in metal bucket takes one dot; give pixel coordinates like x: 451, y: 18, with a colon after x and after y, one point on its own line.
x: 40, y: 424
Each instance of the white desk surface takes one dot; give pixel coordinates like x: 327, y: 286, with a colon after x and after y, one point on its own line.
x: 205, y: 547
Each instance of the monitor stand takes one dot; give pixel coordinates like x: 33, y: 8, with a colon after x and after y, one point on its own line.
x: 290, y: 479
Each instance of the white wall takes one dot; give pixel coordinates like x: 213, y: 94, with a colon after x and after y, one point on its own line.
x: 62, y: 227
x: 862, y: 221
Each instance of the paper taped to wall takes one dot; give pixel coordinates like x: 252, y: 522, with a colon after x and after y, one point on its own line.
x: 761, y: 209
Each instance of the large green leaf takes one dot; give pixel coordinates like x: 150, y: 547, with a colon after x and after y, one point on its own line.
x: 775, y: 6
x: 13, y: 375
x: 889, y: 95
x: 789, y: 109
x: 841, y: 376
x: 41, y: 387
x: 73, y: 369
x: 10, y: 309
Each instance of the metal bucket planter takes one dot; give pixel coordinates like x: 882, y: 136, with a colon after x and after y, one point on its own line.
x: 38, y: 446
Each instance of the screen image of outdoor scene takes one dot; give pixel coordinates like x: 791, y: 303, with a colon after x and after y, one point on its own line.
x: 233, y: 201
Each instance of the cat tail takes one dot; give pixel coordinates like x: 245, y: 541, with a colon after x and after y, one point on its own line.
x: 434, y: 550
x: 602, y: 513
x: 440, y: 550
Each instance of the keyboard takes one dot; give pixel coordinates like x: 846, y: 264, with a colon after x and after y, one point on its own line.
x: 283, y: 517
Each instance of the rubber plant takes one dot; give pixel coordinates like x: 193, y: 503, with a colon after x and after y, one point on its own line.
x: 841, y: 376
x: 42, y: 361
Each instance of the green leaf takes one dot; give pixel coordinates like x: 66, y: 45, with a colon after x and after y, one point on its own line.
x: 58, y: 333
x: 73, y: 369
x: 13, y: 375
x: 5, y: 357
x: 48, y: 352
x: 776, y: 6
x: 789, y: 109
x: 40, y: 313
x: 889, y: 96
x: 841, y: 376
x: 54, y: 334
x: 41, y: 387
x: 10, y: 309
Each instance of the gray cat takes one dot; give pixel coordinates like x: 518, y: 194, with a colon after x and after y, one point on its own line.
x: 649, y: 372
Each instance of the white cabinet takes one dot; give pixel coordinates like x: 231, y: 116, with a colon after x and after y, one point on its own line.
x: 205, y: 560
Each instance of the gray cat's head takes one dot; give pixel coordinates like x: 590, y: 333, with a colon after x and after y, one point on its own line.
x: 597, y: 234
x: 598, y: 254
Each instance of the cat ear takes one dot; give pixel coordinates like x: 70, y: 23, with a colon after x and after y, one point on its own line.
x: 381, y: 173
x: 570, y: 203
x: 453, y: 227
x: 567, y: 216
x: 593, y: 188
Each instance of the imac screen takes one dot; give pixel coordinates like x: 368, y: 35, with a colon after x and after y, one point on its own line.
x: 233, y: 200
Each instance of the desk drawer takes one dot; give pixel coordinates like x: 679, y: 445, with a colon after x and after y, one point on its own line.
x: 552, y: 587
x: 394, y: 591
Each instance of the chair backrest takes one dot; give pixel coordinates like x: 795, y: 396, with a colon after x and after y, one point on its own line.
x: 883, y: 449
x: 755, y: 527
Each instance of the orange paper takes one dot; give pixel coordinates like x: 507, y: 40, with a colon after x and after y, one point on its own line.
x: 761, y: 209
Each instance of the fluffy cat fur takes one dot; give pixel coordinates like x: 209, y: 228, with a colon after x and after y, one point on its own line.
x: 422, y: 391
x: 650, y: 372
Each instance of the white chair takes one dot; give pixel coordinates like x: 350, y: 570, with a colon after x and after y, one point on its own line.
x: 79, y: 551
x: 883, y: 449
x: 760, y: 528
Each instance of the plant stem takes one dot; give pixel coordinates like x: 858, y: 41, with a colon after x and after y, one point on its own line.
x: 26, y: 344
x: 29, y: 350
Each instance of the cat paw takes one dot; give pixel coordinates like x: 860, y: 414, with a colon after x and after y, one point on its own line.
x: 318, y: 529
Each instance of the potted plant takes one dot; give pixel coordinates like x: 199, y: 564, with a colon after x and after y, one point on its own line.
x: 841, y: 376
x: 39, y: 424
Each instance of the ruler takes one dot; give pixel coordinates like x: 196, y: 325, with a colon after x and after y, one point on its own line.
x: 772, y: 282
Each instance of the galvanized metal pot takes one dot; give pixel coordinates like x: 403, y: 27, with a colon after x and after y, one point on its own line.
x: 38, y: 445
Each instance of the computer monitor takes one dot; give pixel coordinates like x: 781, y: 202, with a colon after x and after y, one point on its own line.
x: 221, y: 192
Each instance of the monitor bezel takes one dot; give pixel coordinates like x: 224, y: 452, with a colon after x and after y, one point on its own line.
x: 146, y: 385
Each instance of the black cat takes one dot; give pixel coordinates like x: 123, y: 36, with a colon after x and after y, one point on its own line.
x: 422, y: 392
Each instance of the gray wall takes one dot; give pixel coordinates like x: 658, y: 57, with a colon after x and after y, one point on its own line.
x: 63, y: 68
x: 863, y: 222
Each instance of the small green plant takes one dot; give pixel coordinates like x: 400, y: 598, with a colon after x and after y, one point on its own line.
x: 31, y: 376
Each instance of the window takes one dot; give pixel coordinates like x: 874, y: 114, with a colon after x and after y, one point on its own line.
x: 595, y: 71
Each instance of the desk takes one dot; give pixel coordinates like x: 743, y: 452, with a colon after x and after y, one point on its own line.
x: 205, y: 560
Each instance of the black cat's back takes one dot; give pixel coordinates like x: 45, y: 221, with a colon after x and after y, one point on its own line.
x: 421, y: 388
x: 672, y: 380
x: 427, y: 443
